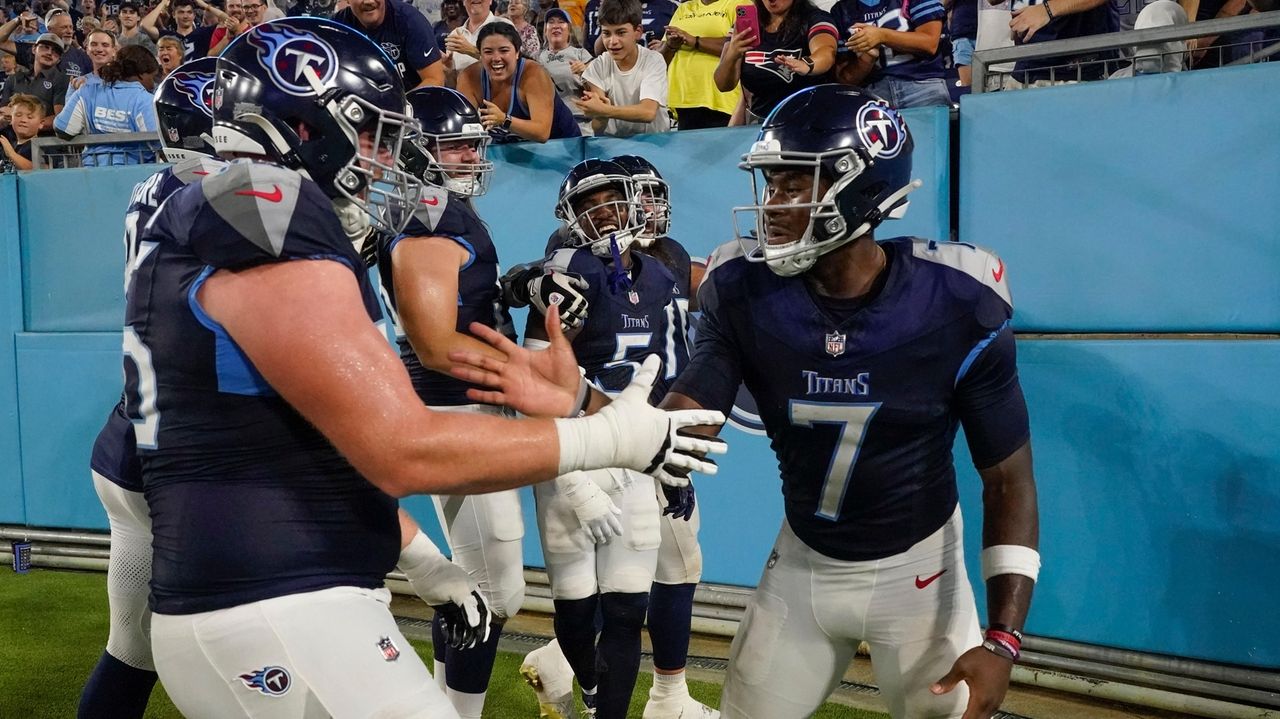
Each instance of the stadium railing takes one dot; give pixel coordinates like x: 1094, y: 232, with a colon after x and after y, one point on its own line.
x: 993, y: 68
x: 55, y: 152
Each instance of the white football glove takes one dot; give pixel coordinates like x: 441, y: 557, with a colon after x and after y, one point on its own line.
x: 600, y: 517
x: 632, y: 434
x: 449, y: 589
x: 532, y: 285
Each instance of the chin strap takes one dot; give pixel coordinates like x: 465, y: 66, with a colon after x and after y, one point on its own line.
x: 619, y: 280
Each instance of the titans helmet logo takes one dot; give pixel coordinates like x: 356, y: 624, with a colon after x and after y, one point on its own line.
x: 881, y: 130
x: 287, y: 54
x: 198, y: 87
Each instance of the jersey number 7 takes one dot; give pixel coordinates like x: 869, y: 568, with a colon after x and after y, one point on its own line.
x: 852, y: 419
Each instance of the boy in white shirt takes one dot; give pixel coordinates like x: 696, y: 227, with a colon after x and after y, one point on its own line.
x: 626, y: 86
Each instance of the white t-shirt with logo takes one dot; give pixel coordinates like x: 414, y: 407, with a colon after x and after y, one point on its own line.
x: 646, y: 80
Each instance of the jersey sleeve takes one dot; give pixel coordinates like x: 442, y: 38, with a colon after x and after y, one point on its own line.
x: 920, y: 12
x: 251, y: 214
x: 72, y: 120
x: 438, y: 215
x: 715, y: 369
x: 989, y: 399
x: 821, y: 23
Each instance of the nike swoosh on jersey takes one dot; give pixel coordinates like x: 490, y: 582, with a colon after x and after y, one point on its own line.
x: 433, y: 201
x: 998, y: 272
x: 275, y: 195
x: 922, y: 583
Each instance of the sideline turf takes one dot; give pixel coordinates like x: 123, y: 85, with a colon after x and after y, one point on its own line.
x: 53, y: 627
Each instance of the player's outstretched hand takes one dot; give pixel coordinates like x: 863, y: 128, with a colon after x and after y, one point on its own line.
x: 631, y: 433
x: 538, y: 383
x: 465, y: 625
x: 680, y: 501
x: 600, y: 517
x: 987, y: 676
x: 449, y: 589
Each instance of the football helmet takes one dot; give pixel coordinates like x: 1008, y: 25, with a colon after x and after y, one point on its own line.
x: 302, y: 91
x: 655, y: 197
x: 608, y: 228
x: 184, y: 110
x: 446, y: 115
x: 852, y: 138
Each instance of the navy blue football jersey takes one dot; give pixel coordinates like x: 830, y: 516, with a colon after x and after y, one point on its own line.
x: 624, y: 326
x: 902, y: 16
x: 479, y: 295
x: 115, y: 451
x: 248, y: 500
x: 862, y: 403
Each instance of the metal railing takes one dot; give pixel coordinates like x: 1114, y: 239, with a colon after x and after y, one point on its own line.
x: 118, y: 148
x: 1072, y: 70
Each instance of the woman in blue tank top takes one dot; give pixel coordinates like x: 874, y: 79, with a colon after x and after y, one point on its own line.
x: 516, y: 97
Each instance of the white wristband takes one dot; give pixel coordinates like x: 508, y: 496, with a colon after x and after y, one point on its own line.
x: 419, y: 552
x: 583, y: 448
x: 1010, y: 559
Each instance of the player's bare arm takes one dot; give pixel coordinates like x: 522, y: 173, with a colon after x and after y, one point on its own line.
x: 1010, y: 519
x: 425, y: 275
x: 338, y: 371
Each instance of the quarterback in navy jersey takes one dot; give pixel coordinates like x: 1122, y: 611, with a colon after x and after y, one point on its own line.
x: 276, y: 428
x: 864, y: 358
x: 121, y: 683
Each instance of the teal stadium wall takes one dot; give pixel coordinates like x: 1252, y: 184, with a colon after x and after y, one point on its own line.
x: 1156, y: 454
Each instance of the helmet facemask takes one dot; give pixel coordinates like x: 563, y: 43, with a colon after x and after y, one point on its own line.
x: 655, y: 198
x: 424, y: 160
x: 828, y: 229
x: 602, y: 226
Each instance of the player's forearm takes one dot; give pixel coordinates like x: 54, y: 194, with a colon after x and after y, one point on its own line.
x: 433, y: 349
x: 1010, y: 519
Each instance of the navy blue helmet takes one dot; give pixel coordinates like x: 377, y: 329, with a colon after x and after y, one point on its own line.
x: 606, y: 226
x: 655, y: 197
x: 184, y: 110
x: 316, y: 96
x: 848, y: 137
x: 448, y: 119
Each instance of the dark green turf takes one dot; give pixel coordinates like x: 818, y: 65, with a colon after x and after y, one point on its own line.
x: 53, y: 627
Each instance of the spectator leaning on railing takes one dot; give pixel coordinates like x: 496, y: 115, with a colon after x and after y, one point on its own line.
x: 626, y: 86
x: 44, y: 80
x: 692, y: 48
x: 403, y: 33
x: 515, y: 97
x: 906, y: 35
x: 565, y: 62
x: 796, y: 49
x: 26, y: 115
x: 1047, y: 20
x: 121, y: 102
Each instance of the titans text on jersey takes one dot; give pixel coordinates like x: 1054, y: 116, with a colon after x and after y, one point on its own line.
x: 863, y: 443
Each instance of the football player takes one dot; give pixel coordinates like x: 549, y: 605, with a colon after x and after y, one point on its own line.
x: 864, y: 358
x: 609, y: 567
x: 438, y: 276
x: 274, y: 425
x: 121, y: 682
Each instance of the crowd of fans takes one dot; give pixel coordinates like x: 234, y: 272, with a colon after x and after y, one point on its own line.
x: 545, y: 69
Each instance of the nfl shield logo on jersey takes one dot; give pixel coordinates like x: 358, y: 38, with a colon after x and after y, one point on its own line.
x: 389, y: 650
x: 835, y: 344
x: 634, y: 297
